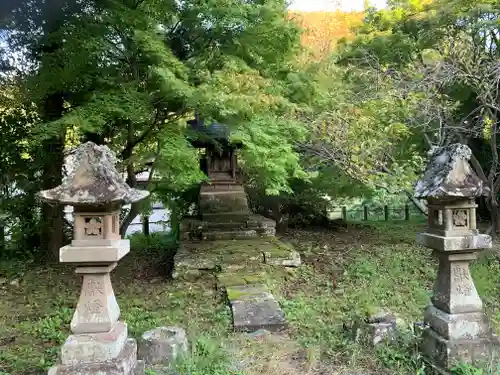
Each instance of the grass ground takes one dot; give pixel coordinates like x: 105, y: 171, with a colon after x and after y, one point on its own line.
x: 347, y: 274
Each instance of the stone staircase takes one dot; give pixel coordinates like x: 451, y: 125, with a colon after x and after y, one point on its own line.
x: 241, y: 270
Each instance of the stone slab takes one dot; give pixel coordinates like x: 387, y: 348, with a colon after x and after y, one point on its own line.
x: 283, y: 258
x: 229, y: 235
x: 254, y: 308
x: 96, y: 243
x: 240, y: 277
x: 195, y: 256
x: 96, y: 254
x: 96, y: 347
x: 124, y: 364
x: 460, y: 243
x: 226, y: 216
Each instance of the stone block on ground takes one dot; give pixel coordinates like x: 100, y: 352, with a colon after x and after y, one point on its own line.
x: 162, y: 345
x: 376, y: 329
x: 254, y: 308
x: 282, y: 256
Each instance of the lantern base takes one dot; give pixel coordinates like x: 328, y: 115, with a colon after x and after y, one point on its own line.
x: 443, y: 354
x: 94, y: 347
x: 125, y: 364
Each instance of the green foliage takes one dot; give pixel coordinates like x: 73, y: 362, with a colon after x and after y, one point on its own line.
x: 403, y: 355
x: 153, y: 244
x: 207, y: 357
x: 479, y: 369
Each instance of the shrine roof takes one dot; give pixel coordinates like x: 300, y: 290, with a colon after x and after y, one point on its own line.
x: 207, y: 134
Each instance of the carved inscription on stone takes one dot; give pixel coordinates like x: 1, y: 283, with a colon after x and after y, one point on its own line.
x: 460, y: 273
x: 94, y: 288
x: 460, y: 218
x: 462, y: 280
x: 463, y: 289
x: 93, y: 307
x: 93, y: 226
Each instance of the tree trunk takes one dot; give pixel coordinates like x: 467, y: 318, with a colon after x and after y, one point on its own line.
x: 417, y: 203
x: 2, y: 239
x: 494, y: 217
x: 52, y: 225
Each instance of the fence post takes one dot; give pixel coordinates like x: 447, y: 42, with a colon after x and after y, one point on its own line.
x: 407, y: 212
x: 386, y: 213
x: 365, y: 213
x: 344, y: 213
x: 145, y: 225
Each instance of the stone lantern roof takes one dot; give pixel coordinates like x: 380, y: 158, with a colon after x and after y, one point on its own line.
x: 449, y: 175
x: 92, y: 180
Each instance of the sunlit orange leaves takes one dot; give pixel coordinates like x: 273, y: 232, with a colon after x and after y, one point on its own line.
x: 322, y: 30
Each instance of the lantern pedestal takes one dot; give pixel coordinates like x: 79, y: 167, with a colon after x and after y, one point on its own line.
x: 99, y: 343
x: 458, y: 330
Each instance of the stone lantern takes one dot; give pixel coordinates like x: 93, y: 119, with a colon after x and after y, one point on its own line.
x: 99, y: 343
x: 456, y: 327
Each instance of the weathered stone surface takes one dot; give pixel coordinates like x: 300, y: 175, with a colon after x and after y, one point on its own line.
x: 444, y: 354
x: 124, y: 364
x: 97, y: 309
x: 215, y: 255
x: 230, y: 235
x: 448, y: 174
x: 163, y: 344
x: 140, y: 367
x: 459, y: 326
x: 255, y: 308
x: 240, y: 277
x: 94, y: 254
x: 376, y: 329
x: 96, y: 347
x: 454, y: 290
x: 451, y: 244
x: 229, y: 226
x: 92, y: 178
x: 283, y: 258
x: 223, y: 199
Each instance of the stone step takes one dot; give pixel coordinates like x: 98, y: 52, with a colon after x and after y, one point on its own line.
x: 225, y: 217
x: 226, y: 225
x: 254, y: 308
x: 230, y: 235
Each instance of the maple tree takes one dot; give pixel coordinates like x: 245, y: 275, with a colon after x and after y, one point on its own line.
x: 322, y: 30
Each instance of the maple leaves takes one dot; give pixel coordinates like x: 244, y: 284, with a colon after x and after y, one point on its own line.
x: 322, y: 30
